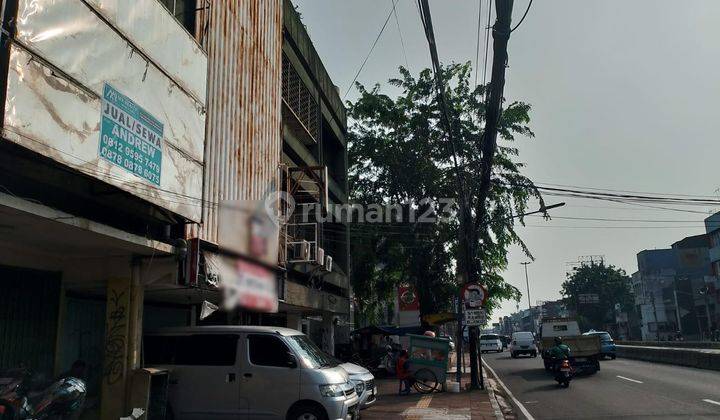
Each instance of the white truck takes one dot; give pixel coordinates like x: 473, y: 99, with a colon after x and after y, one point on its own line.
x: 584, y: 349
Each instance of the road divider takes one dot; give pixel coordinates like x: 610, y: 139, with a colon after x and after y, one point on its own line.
x: 682, y: 344
x: 697, y: 358
x: 711, y: 402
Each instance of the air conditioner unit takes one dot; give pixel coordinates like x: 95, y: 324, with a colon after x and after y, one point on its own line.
x: 305, y: 251
x: 320, y: 257
x: 328, y: 263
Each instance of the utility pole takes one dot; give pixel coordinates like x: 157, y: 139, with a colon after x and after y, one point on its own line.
x: 705, y: 290
x: 470, y: 266
x: 501, y: 36
x: 657, y: 326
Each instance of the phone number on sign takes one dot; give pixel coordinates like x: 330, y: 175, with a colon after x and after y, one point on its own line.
x: 126, y: 162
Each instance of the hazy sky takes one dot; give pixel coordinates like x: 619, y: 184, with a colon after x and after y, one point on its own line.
x: 624, y: 95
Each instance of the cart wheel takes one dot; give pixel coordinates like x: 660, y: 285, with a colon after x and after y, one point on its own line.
x: 425, y: 381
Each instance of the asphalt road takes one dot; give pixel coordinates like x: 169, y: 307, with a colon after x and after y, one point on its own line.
x: 622, y: 389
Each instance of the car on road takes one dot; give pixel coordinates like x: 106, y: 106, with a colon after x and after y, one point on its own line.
x: 523, y: 342
x: 490, y: 342
x: 223, y: 372
x: 364, y: 382
x: 607, y: 345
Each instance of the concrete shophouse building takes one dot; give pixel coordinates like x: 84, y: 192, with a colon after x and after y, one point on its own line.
x: 127, y: 130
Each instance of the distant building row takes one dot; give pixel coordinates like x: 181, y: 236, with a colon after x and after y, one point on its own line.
x: 677, y: 289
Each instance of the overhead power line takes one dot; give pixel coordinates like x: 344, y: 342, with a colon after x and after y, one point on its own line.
x: 522, y: 18
x: 642, y: 198
x: 402, y: 41
x: 377, y: 38
x: 624, y: 191
x: 612, y: 227
x: 609, y: 219
x: 487, y: 43
x: 477, y: 42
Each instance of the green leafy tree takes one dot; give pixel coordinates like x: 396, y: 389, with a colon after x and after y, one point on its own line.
x: 610, y: 283
x: 399, y: 153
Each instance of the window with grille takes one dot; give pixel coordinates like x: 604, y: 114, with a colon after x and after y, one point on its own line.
x: 298, y: 98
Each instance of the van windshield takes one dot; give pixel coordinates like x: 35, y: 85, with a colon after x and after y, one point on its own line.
x: 489, y: 337
x: 310, y: 353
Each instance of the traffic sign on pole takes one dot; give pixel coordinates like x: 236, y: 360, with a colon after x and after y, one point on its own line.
x: 474, y: 295
x: 475, y: 317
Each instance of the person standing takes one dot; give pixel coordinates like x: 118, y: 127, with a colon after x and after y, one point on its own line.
x: 402, y: 370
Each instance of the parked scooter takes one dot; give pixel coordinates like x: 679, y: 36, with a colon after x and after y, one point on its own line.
x: 563, y: 373
x: 20, y: 398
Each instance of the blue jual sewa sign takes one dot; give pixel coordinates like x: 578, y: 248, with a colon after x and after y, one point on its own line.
x: 129, y: 136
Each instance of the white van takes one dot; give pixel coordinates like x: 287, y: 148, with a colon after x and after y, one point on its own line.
x: 523, y: 342
x: 244, y: 372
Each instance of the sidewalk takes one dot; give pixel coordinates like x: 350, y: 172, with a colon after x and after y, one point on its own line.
x: 470, y: 405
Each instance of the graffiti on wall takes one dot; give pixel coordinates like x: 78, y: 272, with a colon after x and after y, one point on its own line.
x: 116, y: 335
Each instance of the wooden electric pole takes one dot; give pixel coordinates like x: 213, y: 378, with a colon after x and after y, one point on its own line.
x: 470, y: 231
x: 501, y: 35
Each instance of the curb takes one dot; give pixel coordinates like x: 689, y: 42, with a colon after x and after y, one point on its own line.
x: 493, y: 400
x: 514, y: 405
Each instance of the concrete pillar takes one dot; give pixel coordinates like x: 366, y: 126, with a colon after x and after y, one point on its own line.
x: 123, y: 329
x: 294, y: 320
x: 328, y: 327
x: 137, y: 300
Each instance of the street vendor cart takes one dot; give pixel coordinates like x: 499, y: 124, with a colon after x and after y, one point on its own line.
x: 428, y: 357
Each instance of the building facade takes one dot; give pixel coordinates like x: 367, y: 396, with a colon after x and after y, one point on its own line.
x: 142, y: 146
x: 668, y: 288
x: 314, y: 154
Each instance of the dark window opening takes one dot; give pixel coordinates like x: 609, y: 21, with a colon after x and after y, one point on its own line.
x: 184, y: 11
x: 267, y: 350
x: 191, y: 350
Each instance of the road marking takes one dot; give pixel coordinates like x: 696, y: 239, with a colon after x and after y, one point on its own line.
x: 711, y: 401
x: 630, y: 379
x: 424, y: 401
x: 522, y: 408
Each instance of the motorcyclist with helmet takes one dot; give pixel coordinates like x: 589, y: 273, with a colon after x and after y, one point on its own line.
x: 559, y: 352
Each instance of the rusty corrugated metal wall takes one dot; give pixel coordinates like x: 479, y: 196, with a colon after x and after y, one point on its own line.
x: 28, y: 318
x: 243, y: 141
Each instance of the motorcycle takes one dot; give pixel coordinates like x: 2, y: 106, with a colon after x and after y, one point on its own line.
x: 22, y: 398
x: 564, y: 373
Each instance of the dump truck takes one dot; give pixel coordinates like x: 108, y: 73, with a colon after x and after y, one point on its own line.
x: 585, y: 350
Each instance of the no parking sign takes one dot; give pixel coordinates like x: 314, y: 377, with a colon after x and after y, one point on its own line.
x: 474, y: 295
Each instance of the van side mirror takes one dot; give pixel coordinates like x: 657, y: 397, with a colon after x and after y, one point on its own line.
x: 291, y: 361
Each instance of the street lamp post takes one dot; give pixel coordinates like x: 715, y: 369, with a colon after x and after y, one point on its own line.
x: 692, y: 303
x: 527, y: 285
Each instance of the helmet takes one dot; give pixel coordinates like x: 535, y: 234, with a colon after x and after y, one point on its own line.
x: 558, y: 341
x: 65, y: 396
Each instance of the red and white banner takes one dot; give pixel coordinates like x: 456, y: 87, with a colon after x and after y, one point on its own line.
x: 408, y: 298
x: 243, y: 283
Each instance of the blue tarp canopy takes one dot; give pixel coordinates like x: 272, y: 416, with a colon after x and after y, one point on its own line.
x: 389, y: 330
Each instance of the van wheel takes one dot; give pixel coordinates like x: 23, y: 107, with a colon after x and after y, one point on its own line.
x: 306, y: 412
